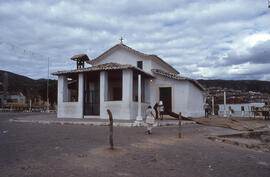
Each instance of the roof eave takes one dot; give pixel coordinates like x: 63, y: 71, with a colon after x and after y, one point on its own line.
x: 196, y: 83
x: 58, y: 73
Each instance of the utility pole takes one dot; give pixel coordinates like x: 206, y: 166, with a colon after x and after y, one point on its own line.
x: 225, y: 112
x: 5, y: 85
x: 48, y: 103
x: 213, y: 105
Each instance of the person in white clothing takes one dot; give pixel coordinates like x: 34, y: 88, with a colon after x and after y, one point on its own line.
x: 150, y: 119
x: 161, y: 110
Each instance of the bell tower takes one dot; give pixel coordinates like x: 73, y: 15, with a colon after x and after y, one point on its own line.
x: 80, y: 59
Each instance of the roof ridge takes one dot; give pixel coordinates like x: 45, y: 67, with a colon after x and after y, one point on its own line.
x: 149, y: 56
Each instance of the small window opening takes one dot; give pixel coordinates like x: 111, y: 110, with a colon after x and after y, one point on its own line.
x: 140, y: 64
x: 114, y: 86
x: 72, y: 89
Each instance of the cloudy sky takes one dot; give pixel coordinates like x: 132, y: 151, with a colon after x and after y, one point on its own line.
x: 202, y: 39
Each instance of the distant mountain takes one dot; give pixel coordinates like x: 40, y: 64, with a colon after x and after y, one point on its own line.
x: 244, y: 85
x: 32, y: 88
x: 29, y: 87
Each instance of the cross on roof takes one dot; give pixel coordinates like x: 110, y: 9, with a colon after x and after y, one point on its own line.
x: 121, y: 40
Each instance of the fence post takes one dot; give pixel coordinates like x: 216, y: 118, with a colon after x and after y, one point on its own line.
x: 179, y: 124
x: 111, y: 128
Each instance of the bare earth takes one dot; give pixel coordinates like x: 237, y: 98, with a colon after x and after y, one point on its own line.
x: 28, y: 149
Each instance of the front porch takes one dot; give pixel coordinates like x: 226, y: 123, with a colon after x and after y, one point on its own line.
x: 88, y: 94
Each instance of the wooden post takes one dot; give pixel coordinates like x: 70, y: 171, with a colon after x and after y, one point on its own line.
x: 111, y: 128
x: 179, y: 124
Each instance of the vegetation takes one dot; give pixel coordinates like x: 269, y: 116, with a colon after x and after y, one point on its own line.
x: 244, y: 85
x: 29, y: 87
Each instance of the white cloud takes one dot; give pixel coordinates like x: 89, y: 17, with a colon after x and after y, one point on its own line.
x: 254, y: 39
x: 202, y: 39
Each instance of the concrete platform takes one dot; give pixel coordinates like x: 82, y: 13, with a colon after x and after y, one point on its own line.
x: 50, y: 118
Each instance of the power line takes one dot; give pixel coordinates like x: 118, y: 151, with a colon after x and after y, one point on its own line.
x: 23, y: 50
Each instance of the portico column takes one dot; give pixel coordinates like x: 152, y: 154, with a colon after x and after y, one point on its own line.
x: 127, y: 89
x: 81, y: 92
x: 60, y: 94
x: 103, y: 93
x: 139, y: 116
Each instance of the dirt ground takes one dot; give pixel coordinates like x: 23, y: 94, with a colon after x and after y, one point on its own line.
x: 241, y: 124
x: 28, y: 149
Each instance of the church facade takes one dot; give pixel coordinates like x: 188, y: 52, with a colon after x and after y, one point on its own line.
x: 125, y: 81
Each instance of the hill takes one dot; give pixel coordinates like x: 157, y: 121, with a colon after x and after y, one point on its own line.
x: 32, y: 88
x: 29, y: 87
x: 243, y: 85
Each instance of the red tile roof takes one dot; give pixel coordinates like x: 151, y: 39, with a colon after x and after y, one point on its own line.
x: 103, y: 67
x: 177, y: 77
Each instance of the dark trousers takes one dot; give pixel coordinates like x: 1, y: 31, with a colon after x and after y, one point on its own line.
x: 206, y: 113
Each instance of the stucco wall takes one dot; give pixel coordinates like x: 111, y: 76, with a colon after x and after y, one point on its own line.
x: 195, y: 101
x: 69, y: 109
x: 123, y: 57
x: 237, y: 109
x: 121, y: 110
x: 159, y: 65
x: 186, y: 97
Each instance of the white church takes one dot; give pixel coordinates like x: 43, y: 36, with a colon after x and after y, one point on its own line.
x: 125, y: 81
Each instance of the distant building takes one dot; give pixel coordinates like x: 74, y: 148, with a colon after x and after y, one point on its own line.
x: 239, y: 110
x: 12, y: 97
x: 114, y: 81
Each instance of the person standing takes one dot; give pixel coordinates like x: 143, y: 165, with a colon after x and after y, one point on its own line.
x: 161, y: 110
x: 156, y: 110
x: 150, y: 120
x: 205, y: 106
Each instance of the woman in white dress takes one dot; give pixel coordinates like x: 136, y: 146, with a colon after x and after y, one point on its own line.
x: 150, y: 119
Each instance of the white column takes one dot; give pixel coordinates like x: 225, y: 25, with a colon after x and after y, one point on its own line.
x: 139, y: 116
x: 81, y: 92
x: 103, y: 93
x: 62, y: 94
x: 225, y: 112
x: 127, y: 94
x: 213, y: 106
x: 127, y: 86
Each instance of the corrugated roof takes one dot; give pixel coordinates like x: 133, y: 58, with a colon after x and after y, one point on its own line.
x: 103, y: 67
x: 154, y: 57
x: 177, y: 77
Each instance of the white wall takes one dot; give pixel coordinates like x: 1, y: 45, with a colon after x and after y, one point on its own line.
x: 186, y: 97
x: 69, y: 109
x: 159, y: 65
x: 122, y: 56
x: 237, y: 109
x: 120, y: 109
x: 195, y: 101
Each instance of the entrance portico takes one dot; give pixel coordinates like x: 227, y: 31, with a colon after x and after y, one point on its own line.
x: 120, y: 88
